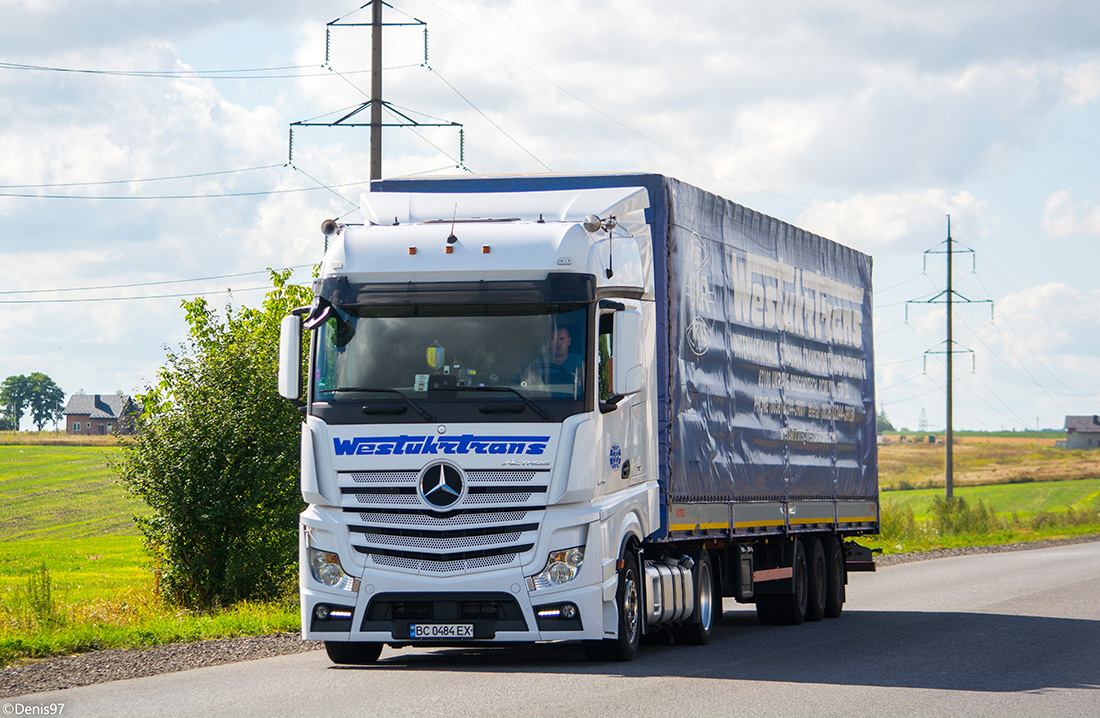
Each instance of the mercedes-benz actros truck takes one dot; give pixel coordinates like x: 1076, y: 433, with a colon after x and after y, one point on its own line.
x: 577, y: 408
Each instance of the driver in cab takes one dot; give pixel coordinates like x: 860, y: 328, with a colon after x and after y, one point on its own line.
x: 559, y: 366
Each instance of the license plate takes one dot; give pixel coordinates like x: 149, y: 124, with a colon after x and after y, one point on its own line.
x: 441, y: 630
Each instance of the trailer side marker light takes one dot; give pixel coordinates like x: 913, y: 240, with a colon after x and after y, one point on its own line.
x: 450, y: 249
x: 484, y: 249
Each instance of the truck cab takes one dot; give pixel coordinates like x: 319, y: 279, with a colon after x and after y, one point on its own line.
x: 479, y: 407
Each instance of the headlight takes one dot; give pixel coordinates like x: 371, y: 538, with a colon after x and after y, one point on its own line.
x: 325, y: 567
x: 561, y: 567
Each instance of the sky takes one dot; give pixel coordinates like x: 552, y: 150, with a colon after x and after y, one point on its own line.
x: 145, y: 158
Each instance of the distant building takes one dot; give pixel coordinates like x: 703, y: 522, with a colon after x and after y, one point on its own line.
x: 100, y: 414
x: 1082, y: 432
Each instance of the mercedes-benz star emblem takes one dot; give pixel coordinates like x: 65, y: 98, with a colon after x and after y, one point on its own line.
x: 441, y: 485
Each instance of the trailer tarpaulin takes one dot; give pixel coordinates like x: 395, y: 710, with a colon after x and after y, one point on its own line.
x: 771, y: 374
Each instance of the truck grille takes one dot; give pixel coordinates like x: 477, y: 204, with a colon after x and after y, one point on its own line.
x: 495, y: 521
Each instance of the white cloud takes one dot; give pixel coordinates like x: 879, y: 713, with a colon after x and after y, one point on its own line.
x: 1063, y: 217
x: 906, y: 220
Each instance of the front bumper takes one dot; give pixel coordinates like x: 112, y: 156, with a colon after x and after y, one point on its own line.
x: 493, y: 605
x: 498, y: 608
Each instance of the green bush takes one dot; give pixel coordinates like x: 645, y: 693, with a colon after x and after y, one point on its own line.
x: 216, y: 459
x: 953, y: 516
x: 897, y: 521
x: 37, y: 601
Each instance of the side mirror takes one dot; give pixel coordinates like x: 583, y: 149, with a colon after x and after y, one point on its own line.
x: 290, y: 358
x: 627, y: 368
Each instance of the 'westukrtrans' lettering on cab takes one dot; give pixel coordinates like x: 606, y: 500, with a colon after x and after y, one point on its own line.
x: 416, y: 445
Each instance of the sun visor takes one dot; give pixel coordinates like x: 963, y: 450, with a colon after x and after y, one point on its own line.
x: 553, y: 206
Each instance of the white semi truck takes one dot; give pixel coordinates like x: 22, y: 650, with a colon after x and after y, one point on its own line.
x: 577, y: 408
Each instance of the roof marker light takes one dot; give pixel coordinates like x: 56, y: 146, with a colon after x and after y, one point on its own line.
x: 484, y: 249
x: 450, y: 249
x: 412, y: 250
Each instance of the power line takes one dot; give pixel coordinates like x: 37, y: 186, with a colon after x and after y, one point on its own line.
x: 235, y: 74
x: 145, y: 284
x: 222, y: 195
x: 487, y: 118
x: 227, y: 290
x: 136, y: 181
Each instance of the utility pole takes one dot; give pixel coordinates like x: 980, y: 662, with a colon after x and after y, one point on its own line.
x: 376, y: 91
x: 948, y: 297
x: 376, y: 103
x: 949, y: 474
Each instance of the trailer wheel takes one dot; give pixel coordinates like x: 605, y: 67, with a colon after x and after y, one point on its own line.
x: 835, y: 577
x: 787, y: 609
x: 696, y: 632
x: 817, y: 578
x: 352, y: 653
x: 628, y: 599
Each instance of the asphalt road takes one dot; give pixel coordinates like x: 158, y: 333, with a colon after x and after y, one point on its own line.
x: 1010, y: 634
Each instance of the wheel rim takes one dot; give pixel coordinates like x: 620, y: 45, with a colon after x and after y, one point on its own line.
x: 704, y: 598
x: 630, y: 605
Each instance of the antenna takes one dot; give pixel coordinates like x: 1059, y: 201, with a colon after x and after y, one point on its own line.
x: 451, y: 238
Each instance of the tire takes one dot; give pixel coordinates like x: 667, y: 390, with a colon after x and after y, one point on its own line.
x: 696, y: 632
x: 352, y: 653
x: 816, y: 578
x: 628, y: 599
x: 787, y: 609
x: 836, y: 577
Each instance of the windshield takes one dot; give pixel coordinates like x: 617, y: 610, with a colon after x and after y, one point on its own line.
x: 456, y: 354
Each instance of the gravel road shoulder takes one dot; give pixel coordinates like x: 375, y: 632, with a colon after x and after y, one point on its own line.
x: 113, y: 665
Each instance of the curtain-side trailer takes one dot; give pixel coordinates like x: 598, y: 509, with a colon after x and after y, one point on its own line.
x: 584, y: 407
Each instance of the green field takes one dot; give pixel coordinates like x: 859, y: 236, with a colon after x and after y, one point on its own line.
x: 64, y: 512
x: 63, y: 508
x: 62, y: 492
x: 1026, y: 499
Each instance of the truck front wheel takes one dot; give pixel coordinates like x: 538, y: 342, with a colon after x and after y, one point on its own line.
x: 352, y: 653
x: 628, y: 599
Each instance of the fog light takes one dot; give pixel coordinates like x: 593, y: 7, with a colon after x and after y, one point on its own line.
x: 321, y: 612
x: 568, y: 610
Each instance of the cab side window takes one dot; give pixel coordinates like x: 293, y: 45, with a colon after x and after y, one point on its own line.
x: 605, y: 359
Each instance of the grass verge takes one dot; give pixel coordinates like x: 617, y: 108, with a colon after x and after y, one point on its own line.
x: 923, y: 522
x: 74, y: 575
x: 59, y: 597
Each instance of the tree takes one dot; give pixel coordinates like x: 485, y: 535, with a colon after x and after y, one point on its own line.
x: 15, y: 394
x: 882, y: 424
x: 47, y: 401
x: 216, y: 458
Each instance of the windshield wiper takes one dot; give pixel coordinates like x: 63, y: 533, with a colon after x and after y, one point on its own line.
x: 419, y: 409
x: 535, y: 407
